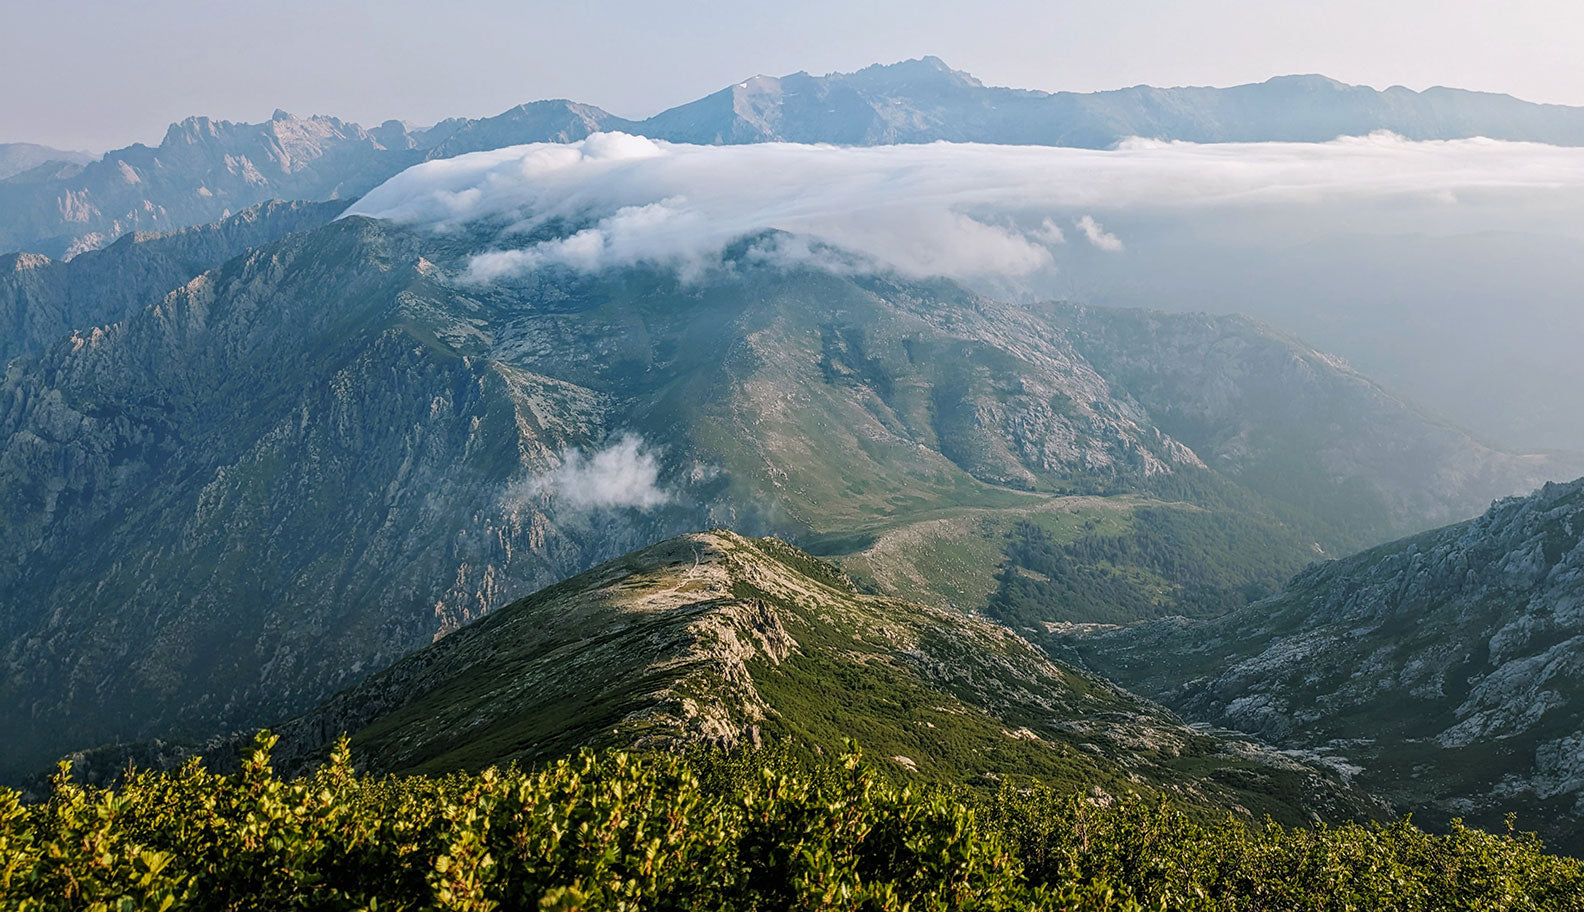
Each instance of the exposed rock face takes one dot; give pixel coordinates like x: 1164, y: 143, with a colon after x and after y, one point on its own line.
x: 203, y: 170
x: 1445, y: 667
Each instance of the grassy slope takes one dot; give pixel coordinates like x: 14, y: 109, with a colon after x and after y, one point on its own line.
x: 716, y: 638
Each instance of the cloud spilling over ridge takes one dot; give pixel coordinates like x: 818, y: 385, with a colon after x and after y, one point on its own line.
x: 625, y: 474
x: 955, y: 209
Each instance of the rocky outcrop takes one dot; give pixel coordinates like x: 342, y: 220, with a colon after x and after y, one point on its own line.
x: 43, y: 300
x: 1442, y: 669
x: 201, y: 171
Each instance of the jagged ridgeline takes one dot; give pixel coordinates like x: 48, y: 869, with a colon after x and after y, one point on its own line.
x: 234, y: 498
x: 1444, y: 668
x: 62, y: 203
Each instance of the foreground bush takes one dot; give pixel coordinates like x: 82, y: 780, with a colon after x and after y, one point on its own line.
x: 746, y: 831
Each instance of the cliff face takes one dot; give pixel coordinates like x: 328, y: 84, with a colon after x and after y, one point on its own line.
x: 1444, y: 667
x: 201, y: 490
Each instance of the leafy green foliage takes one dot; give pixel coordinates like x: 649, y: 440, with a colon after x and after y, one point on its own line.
x: 743, y: 830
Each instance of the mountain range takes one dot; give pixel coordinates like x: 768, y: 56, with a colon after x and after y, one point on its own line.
x: 204, y: 169
x: 243, y: 493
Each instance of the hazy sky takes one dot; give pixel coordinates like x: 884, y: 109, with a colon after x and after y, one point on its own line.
x: 96, y: 75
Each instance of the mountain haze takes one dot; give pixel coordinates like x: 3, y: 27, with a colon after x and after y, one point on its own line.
x: 17, y: 158
x: 925, y: 101
x: 201, y: 171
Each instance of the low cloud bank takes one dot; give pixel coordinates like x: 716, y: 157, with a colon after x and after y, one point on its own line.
x: 957, y: 209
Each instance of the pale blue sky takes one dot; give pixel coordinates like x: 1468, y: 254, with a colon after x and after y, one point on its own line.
x: 98, y: 74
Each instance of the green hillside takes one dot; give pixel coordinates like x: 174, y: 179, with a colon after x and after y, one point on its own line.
x: 722, y: 640
x: 255, y: 489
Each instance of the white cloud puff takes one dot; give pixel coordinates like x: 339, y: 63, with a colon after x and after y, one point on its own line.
x: 1098, y: 236
x: 957, y: 209
x: 625, y: 474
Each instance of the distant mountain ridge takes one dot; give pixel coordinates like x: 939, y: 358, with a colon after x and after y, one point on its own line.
x: 43, y: 300
x: 925, y: 100
x: 16, y: 158
x: 204, y: 169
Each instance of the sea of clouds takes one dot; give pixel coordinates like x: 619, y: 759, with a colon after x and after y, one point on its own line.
x: 963, y: 210
x: 1447, y: 269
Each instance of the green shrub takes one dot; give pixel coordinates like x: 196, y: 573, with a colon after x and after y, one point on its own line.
x: 710, y: 831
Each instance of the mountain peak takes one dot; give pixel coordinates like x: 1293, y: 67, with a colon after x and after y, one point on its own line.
x: 1309, y: 81
x: 190, y: 129
x: 23, y: 261
x: 914, y: 72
